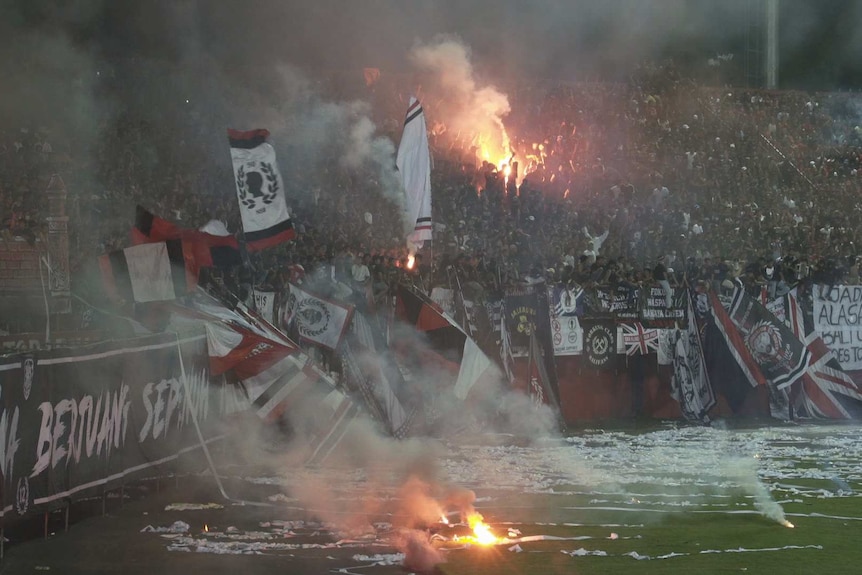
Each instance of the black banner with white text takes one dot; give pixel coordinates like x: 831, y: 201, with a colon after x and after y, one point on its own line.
x: 74, y: 423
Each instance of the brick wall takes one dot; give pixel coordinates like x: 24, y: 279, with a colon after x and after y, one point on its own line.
x: 19, y: 268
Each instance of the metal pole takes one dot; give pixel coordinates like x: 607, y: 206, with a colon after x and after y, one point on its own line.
x: 193, y: 411
x: 45, y: 298
x: 771, y: 62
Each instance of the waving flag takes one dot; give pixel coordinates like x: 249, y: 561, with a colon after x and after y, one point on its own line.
x: 201, y: 249
x: 827, y: 391
x: 448, y: 349
x: 506, y: 357
x: 245, y: 352
x: 317, y: 319
x: 750, y: 368
x: 781, y: 357
x: 147, y: 273
x: 375, y: 374
x: 278, y: 378
x: 414, y: 167
x: 735, y: 343
x: 260, y: 190
x: 150, y: 228
x: 690, y: 384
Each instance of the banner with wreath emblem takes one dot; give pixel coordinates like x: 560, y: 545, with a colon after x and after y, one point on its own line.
x: 317, y: 319
x: 260, y: 190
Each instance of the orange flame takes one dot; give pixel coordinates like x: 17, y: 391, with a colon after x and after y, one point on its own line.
x: 206, y: 528
x: 410, y: 261
x: 481, y: 530
x: 497, y: 150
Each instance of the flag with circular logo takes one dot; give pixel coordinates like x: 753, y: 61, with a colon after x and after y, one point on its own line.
x: 600, y: 343
x: 317, y: 319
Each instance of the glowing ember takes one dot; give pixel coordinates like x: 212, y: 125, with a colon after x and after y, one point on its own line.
x: 788, y: 524
x: 506, y: 169
x: 206, y: 528
x: 410, y: 261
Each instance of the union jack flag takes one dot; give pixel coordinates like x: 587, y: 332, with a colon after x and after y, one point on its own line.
x: 826, y: 391
x: 638, y: 340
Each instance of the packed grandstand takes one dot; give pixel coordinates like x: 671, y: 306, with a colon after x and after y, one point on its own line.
x: 658, y: 186
x: 708, y: 177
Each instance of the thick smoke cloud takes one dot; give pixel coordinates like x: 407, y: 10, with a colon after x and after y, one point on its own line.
x: 49, y: 74
x: 73, y: 66
x: 471, y: 110
x: 50, y: 47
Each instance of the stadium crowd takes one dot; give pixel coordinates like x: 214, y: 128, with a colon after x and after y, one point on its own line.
x: 655, y: 179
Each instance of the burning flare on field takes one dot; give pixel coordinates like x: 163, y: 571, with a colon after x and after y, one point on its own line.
x: 481, y: 530
x: 788, y: 524
x: 482, y: 534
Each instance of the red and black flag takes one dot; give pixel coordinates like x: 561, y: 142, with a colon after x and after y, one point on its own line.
x: 201, y: 249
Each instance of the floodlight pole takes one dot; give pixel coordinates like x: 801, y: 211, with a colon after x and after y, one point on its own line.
x: 771, y: 61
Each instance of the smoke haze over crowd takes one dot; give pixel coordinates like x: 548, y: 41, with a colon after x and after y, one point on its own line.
x: 57, y: 55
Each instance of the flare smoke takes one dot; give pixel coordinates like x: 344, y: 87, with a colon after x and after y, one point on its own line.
x: 467, y: 108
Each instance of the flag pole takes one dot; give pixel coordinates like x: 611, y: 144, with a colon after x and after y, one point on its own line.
x: 193, y: 412
x: 203, y: 443
x: 45, y: 298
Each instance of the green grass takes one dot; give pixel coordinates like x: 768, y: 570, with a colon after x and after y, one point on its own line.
x: 689, y: 534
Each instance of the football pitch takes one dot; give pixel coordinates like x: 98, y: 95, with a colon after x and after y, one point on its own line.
x: 667, y: 499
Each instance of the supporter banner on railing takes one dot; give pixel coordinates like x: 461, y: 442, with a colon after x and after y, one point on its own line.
x: 626, y: 304
x: 600, y: 344
x: 75, y: 422
x: 567, y: 335
x: 566, y: 301
x: 620, y: 302
x: 838, y: 320
x: 654, y: 311
x: 521, y: 316
x: 21, y: 342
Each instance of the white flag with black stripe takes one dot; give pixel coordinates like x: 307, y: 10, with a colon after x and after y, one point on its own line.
x: 414, y: 167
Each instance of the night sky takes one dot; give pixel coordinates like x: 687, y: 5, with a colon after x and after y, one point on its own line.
x: 56, y: 54
x: 562, y: 39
